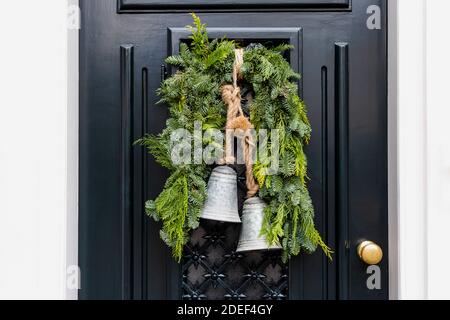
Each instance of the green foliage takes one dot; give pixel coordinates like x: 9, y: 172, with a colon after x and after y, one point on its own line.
x: 289, y: 216
x: 193, y: 94
x: 199, y: 37
x: 179, y: 206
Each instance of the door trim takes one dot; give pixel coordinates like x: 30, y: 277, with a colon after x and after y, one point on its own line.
x: 149, y: 6
x: 71, y: 252
x: 392, y: 60
x: 293, y: 35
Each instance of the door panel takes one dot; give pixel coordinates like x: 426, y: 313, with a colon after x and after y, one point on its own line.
x: 212, y: 269
x: 344, y: 85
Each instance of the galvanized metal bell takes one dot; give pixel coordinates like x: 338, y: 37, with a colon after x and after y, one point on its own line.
x: 222, y: 201
x: 252, y: 221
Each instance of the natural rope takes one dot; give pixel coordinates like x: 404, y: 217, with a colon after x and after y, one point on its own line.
x: 231, y: 95
x: 252, y: 185
x: 237, y: 66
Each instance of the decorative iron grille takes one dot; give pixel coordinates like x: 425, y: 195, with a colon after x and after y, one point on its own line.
x: 212, y: 270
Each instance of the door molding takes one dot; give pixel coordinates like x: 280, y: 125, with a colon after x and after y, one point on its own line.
x: 293, y: 35
x: 393, y: 148
x: 342, y: 164
x: 126, y: 176
x: 71, y: 252
x: 146, y: 6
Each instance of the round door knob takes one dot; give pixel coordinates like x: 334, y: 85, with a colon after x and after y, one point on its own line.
x: 370, y: 252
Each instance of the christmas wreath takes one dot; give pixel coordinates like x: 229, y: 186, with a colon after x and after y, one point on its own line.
x: 195, y: 94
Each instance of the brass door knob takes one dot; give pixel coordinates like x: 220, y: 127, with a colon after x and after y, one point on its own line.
x: 370, y: 252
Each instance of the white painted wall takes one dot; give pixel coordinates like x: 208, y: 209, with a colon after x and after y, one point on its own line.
x: 38, y: 150
x: 423, y: 149
x: 438, y: 148
x: 34, y: 151
x: 411, y: 149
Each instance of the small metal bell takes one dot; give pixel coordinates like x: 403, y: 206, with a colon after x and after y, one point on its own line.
x: 252, y: 221
x: 222, y: 202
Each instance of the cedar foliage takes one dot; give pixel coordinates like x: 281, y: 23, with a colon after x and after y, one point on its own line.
x: 193, y: 94
x: 289, y: 216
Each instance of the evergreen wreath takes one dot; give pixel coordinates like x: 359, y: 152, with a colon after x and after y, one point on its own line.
x: 193, y: 94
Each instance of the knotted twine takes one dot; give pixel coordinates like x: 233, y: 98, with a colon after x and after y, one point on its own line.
x: 236, y: 121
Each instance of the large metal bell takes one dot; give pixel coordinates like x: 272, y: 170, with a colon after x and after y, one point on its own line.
x: 222, y: 201
x: 252, y: 221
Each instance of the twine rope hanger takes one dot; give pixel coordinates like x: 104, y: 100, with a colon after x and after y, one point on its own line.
x: 236, y: 121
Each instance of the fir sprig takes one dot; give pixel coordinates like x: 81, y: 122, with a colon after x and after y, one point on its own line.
x: 289, y: 216
x: 191, y: 94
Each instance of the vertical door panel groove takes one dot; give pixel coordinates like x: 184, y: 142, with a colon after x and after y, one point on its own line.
x: 144, y: 247
x: 325, y: 213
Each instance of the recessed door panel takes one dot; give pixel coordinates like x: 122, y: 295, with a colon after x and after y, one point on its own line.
x: 212, y: 269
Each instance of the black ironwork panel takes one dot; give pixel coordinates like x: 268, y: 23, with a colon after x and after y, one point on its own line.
x: 212, y: 270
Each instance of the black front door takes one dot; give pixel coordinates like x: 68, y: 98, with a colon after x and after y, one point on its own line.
x: 340, y: 50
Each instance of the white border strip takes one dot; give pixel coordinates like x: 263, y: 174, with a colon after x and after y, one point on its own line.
x: 412, y: 150
x: 73, y: 274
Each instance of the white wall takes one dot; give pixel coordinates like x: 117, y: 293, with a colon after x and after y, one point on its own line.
x: 411, y: 149
x: 438, y: 147
x: 33, y: 151
x: 424, y: 149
